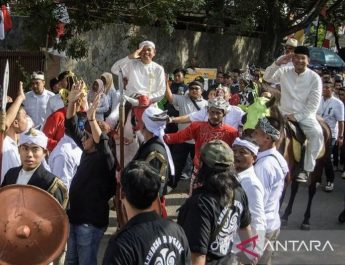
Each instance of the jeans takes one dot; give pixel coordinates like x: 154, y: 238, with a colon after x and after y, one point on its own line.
x: 83, y: 243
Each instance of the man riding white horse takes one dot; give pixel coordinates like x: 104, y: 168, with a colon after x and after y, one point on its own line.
x: 144, y: 79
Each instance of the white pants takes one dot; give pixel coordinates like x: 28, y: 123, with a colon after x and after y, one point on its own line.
x: 313, y: 132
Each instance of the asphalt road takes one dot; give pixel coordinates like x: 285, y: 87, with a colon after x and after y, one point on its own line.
x: 323, y: 244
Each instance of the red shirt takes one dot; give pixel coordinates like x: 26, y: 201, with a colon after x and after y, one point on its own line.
x: 202, y: 132
x: 54, y: 128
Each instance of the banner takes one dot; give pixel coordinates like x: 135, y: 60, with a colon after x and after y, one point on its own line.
x: 209, y: 73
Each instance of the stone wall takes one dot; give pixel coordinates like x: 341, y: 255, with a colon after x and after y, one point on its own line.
x: 112, y: 42
x: 212, y: 50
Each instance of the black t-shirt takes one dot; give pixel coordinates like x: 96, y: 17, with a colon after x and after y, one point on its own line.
x: 93, y: 184
x: 202, y: 214
x: 147, y: 239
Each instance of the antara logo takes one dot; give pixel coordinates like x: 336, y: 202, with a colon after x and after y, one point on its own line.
x: 248, y: 246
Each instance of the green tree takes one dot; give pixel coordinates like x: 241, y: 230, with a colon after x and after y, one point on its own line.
x: 87, y: 15
x: 270, y: 20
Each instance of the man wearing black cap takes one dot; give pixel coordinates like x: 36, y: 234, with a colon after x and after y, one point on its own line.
x: 301, y: 90
x: 186, y: 104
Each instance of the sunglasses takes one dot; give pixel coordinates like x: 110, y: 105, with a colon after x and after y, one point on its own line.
x: 194, y: 88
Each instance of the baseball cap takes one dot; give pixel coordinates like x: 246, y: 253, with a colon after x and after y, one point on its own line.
x: 217, y: 154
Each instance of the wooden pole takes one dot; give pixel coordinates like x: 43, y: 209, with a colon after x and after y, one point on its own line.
x: 120, y: 209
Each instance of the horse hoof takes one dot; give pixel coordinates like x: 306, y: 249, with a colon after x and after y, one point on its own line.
x: 283, y: 222
x: 305, y: 227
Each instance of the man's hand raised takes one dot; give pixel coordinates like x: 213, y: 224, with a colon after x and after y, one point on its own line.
x: 21, y: 93
x: 76, y: 92
x: 136, y: 54
x: 284, y: 59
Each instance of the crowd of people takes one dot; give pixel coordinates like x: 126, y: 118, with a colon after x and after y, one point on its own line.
x: 218, y: 134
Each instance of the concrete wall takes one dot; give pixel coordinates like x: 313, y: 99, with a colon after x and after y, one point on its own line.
x: 212, y: 50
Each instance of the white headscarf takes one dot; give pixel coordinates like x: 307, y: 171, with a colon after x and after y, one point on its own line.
x: 155, y: 122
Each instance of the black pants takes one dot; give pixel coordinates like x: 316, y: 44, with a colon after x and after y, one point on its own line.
x: 180, y: 154
x: 328, y: 163
x: 336, y: 150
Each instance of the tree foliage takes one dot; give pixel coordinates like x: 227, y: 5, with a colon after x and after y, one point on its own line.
x: 271, y: 20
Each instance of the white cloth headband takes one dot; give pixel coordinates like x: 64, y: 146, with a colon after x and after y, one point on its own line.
x: 37, y: 76
x: 34, y: 136
x: 157, y: 128
x: 249, y: 145
x: 147, y: 43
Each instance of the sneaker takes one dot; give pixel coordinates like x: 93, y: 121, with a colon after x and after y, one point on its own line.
x: 329, y: 187
x: 302, y: 177
x: 343, y: 175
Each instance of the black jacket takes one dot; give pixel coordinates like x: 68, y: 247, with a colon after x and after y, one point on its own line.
x: 153, y: 151
x: 41, y: 178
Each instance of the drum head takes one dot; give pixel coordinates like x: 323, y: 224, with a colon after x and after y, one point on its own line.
x: 33, y: 226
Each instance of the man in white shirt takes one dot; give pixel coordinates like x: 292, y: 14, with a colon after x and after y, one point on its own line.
x: 145, y: 79
x: 332, y: 111
x: 271, y: 168
x: 245, y: 153
x: 36, y: 100
x: 64, y: 160
x: 16, y: 123
x: 301, y: 90
x: 186, y: 104
x: 233, y: 117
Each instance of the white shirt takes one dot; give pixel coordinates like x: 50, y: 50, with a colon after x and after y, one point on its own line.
x: 272, y: 174
x: 64, y: 160
x: 232, y: 118
x: 186, y: 106
x: 143, y: 79
x: 10, y: 156
x: 54, y: 103
x: 25, y: 176
x: 300, y: 93
x: 36, y: 105
x: 255, y: 193
x: 332, y: 111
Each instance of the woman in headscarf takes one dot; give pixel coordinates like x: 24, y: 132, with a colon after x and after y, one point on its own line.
x: 103, y: 107
x: 113, y: 96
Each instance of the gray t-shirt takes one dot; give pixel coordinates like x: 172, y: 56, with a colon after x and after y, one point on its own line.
x: 186, y: 106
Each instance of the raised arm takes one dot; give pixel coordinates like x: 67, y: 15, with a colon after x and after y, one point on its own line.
x: 115, y: 69
x: 11, y: 113
x: 270, y: 72
x: 73, y: 96
x: 168, y: 93
x: 91, y: 117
